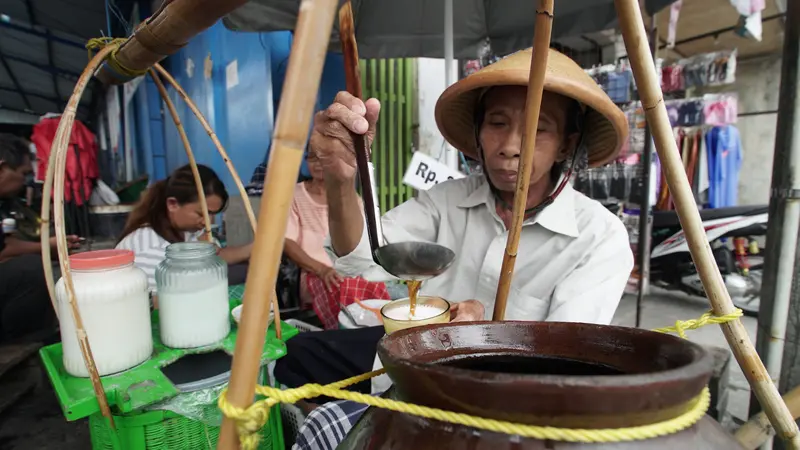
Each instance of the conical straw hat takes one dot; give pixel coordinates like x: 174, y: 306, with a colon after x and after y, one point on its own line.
x: 605, y: 126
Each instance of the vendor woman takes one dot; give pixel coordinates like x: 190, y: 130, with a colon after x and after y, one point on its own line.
x: 170, y: 212
x: 574, y: 257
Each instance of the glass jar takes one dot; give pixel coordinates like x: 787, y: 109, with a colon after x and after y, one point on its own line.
x: 192, y: 285
x: 114, y: 303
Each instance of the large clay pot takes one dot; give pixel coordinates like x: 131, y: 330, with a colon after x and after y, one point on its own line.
x: 539, y: 373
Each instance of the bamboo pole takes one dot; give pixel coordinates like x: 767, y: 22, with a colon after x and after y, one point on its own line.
x: 757, y: 430
x: 306, y: 59
x: 644, y: 72
x: 57, y: 166
x: 164, y: 33
x: 44, y: 230
x: 541, y: 48
x: 201, y: 195
x: 235, y: 175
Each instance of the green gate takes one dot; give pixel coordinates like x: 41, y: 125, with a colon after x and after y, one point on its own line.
x: 392, y: 81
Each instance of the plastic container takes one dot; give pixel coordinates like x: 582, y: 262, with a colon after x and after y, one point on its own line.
x: 192, y: 285
x: 114, y: 303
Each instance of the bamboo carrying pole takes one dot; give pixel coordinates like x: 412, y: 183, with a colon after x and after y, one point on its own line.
x: 757, y: 430
x: 306, y: 59
x: 541, y: 47
x: 236, y: 179
x: 165, y: 32
x: 56, y: 174
x: 644, y: 72
x: 201, y: 195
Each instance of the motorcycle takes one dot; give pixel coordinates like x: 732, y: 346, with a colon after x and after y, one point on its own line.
x: 732, y: 233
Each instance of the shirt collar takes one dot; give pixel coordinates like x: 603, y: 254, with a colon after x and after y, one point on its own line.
x: 558, y: 217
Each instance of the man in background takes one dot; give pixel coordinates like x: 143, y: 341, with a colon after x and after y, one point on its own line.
x: 25, y: 306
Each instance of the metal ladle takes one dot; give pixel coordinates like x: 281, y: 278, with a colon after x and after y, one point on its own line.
x: 406, y: 260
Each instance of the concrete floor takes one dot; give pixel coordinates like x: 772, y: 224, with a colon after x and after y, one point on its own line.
x: 36, y: 421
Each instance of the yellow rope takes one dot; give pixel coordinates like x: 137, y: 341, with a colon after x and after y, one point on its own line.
x: 113, y: 62
x: 250, y: 420
x: 681, y: 326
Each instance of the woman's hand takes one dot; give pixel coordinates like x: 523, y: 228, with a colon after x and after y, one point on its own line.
x: 330, y: 278
x: 73, y: 242
x: 331, y: 140
x: 467, y: 311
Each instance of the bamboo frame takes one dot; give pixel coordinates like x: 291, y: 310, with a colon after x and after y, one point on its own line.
x: 236, y: 179
x: 633, y: 32
x: 757, y: 430
x: 54, y: 181
x: 541, y: 46
x: 201, y: 195
x: 306, y: 59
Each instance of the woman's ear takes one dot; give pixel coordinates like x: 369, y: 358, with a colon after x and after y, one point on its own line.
x: 172, y: 204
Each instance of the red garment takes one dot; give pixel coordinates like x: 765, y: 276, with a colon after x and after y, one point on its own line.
x: 81, y: 141
x: 326, y: 303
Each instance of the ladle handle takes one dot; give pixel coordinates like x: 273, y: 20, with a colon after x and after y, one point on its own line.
x: 366, y: 175
x: 366, y: 171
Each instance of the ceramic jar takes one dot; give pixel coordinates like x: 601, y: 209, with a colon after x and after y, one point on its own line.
x: 569, y: 375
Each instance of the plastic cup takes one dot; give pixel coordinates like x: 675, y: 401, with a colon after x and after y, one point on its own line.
x: 391, y: 323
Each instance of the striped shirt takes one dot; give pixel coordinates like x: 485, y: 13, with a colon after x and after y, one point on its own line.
x: 149, y: 250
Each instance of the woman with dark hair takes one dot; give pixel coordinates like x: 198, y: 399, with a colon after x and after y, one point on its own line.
x: 170, y: 212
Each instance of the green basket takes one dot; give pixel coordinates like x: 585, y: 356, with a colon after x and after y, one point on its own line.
x: 165, y: 430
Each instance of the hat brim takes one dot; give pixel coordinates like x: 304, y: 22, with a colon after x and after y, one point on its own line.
x: 605, y: 125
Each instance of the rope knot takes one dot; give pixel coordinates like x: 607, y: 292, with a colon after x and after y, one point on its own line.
x: 113, y: 62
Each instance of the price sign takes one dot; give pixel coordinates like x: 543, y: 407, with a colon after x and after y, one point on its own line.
x: 424, y: 172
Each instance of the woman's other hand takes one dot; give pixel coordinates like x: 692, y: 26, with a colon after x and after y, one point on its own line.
x: 330, y: 278
x: 467, y: 311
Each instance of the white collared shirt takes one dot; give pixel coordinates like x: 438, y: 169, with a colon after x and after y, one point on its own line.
x: 573, y: 260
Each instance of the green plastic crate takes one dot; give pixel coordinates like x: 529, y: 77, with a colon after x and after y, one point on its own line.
x: 164, y: 430
x: 131, y: 392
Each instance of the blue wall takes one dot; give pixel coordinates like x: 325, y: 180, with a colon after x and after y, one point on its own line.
x: 242, y: 115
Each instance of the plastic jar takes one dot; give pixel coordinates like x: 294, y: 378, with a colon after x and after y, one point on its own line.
x: 193, y: 306
x: 114, y: 304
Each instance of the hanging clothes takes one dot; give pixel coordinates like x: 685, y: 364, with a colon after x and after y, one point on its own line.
x: 81, y: 167
x: 724, y: 148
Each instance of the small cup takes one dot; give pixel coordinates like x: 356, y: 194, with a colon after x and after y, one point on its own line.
x: 391, y: 324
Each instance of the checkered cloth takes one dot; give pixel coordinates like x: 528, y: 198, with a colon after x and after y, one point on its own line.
x: 328, y: 425
x: 326, y: 303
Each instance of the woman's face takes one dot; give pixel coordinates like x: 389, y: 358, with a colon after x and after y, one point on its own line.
x: 314, y: 166
x: 188, y: 217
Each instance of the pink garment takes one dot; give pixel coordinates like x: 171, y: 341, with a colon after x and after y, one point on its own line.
x: 308, y: 224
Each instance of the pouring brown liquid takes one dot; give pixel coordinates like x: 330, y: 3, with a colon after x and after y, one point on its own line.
x: 413, y: 290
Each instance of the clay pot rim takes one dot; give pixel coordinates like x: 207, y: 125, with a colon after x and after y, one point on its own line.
x: 700, y: 365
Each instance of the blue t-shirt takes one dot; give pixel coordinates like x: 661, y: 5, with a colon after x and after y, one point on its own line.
x: 724, y: 148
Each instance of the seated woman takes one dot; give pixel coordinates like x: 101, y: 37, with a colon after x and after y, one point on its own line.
x: 170, y: 212
x: 320, y: 286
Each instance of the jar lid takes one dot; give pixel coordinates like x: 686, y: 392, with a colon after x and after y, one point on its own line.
x: 101, y: 259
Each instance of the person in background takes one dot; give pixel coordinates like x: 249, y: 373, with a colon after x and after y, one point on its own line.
x: 321, y: 287
x: 25, y: 306
x: 170, y: 212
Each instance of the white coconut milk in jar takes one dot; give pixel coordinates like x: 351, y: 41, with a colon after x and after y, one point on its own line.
x: 192, y: 285
x: 113, y: 300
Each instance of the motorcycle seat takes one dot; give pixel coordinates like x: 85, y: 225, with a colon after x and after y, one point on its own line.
x: 664, y: 219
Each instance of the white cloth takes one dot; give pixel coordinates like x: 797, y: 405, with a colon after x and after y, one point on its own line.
x: 149, y: 249
x: 573, y: 260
